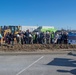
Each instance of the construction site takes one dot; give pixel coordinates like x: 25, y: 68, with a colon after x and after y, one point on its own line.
x: 38, y: 45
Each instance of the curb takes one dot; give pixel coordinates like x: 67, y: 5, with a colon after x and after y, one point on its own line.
x: 34, y: 53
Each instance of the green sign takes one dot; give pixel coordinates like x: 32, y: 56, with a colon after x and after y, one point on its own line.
x: 48, y: 29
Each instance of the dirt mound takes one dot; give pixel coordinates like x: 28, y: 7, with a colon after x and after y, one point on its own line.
x: 37, y: 47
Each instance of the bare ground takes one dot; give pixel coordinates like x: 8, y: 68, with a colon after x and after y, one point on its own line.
x: 37, y: 47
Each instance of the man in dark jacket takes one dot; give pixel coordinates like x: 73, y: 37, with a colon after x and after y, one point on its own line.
x: 12, y: 38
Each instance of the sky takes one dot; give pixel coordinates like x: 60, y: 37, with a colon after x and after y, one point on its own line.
x: 57, y: 13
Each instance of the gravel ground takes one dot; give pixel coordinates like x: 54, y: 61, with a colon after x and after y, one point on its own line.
x: 38, y: 47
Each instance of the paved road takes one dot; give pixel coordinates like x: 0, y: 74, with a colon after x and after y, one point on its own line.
x: 50, y: 64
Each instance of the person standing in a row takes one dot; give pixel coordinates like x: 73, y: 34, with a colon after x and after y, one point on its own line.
x: 0, y: 39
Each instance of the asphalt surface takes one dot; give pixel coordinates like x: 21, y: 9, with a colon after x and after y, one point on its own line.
x: 50, y: 64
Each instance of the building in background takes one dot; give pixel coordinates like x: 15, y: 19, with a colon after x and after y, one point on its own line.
x: 30, y: 28
x: 38, y: 28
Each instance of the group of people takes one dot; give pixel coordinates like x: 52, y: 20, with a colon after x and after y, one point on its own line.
x: 34, y: 38
x: 61, y: 38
